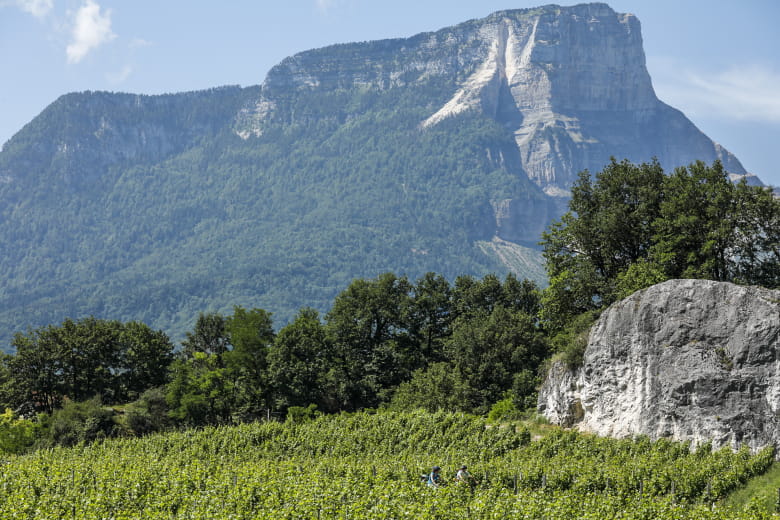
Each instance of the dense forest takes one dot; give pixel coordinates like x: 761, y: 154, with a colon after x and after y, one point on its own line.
x: 477, y: 345
x: 153, y: 209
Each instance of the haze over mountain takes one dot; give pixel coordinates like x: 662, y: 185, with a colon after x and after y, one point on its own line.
x: 447, y: 151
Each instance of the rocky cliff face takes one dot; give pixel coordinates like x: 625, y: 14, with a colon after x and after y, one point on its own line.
x: 693, y: 360
x: 570, y: 83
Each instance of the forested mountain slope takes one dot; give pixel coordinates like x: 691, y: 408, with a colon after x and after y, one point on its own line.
x: 407, y: 155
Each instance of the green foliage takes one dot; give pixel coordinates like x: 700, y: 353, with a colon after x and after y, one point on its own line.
x: 365, y: 466
x: 367, y: 326
x: 146, y: 415
x: 251, y: 335
x: 503, y: 410
x: 757, y: 235
x: 569, y: 343
x: 608, y: 227
x: 487, y: 351
x: 209, y: 336
x: 222, y: 374
x: 78, y: 423
x: 302, y: 368
x: 430, y: 315
x: 86, y: 358
x: 634, y: 227
x: 640, y: 275
x: 16, y: 434
x: 200, y: 391
x: 299, y: 414
x: 694, y: 233
x: 424, y: 345
x: 434, y: 388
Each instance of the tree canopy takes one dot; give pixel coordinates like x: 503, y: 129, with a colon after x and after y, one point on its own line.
x: 389, y: 341
x: 86, y: 358
x: 632, y: 226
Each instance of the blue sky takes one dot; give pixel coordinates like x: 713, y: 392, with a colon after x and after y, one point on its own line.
x: 717, y: 61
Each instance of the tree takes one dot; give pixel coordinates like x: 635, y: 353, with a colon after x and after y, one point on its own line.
x: 694, y: 235
x: 635, y: 227
x: 608, y: 227
x: 91, y: 350
x: 84, y: 421
x: 471, y: 296
x: 16, y: 434
x: 474, y: 297
x: 430, y: 315
x: 209, y: 336
x: 436, y: 387
x: 301, y: 365
x: 757, y: 236
x: 368, y: 328
x: 144, y: 358
x: 36, y: 370
x: 222, y: 376
x: 523, y: 296
x: 487, y: 352
x: 200, y: 392
x: 250, y: 334
x: 86, y: 358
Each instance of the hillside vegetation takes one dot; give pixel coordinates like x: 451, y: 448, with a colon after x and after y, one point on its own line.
x: 345, y: 186
x: 476, y: 346
x: 368, y: 466
x: 398, y: 343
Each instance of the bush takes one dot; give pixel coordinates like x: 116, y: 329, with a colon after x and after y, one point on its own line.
x: 570, y: 343
x: 16, y: 435
x: 147, y: 415
x: 299, y: 414
x: 432, y: 389
x: 639, y: 275
x: 83, y: 422
x: 504, y: 410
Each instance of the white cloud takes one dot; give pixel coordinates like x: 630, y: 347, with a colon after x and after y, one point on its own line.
x: 37, y: 8
x: 744, y: 92
x: 91, y: 29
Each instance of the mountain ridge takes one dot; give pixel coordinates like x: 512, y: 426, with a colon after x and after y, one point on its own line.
x: 158, y: 207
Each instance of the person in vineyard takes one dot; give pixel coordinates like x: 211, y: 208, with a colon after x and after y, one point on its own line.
x: 463, y: 475
x: 434, y: 479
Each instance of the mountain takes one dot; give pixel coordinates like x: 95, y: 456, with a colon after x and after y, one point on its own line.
x: 448, y: 151
x: 694, y: 360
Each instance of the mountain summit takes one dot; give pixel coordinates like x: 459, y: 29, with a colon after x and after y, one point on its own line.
x: 447, y: 151
x: 570, y: 83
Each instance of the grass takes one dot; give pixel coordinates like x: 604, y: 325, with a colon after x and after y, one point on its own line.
x: 760, y: 492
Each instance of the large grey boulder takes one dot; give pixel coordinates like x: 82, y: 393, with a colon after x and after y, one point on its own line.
x: 692, y: 360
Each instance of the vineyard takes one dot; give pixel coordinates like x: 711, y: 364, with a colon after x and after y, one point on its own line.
x: 368, y: 466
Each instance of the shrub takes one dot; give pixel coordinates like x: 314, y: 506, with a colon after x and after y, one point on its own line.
x: 504, y: 410
x: 16, y: 435
x: 82, y: 422
x: 299, y: 414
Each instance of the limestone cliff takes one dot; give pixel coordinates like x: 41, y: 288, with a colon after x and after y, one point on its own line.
x: 570, y: 83
x: 688, y: 359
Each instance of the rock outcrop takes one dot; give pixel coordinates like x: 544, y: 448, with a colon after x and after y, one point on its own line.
x: 692, y: 360
x: 570, y: 83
